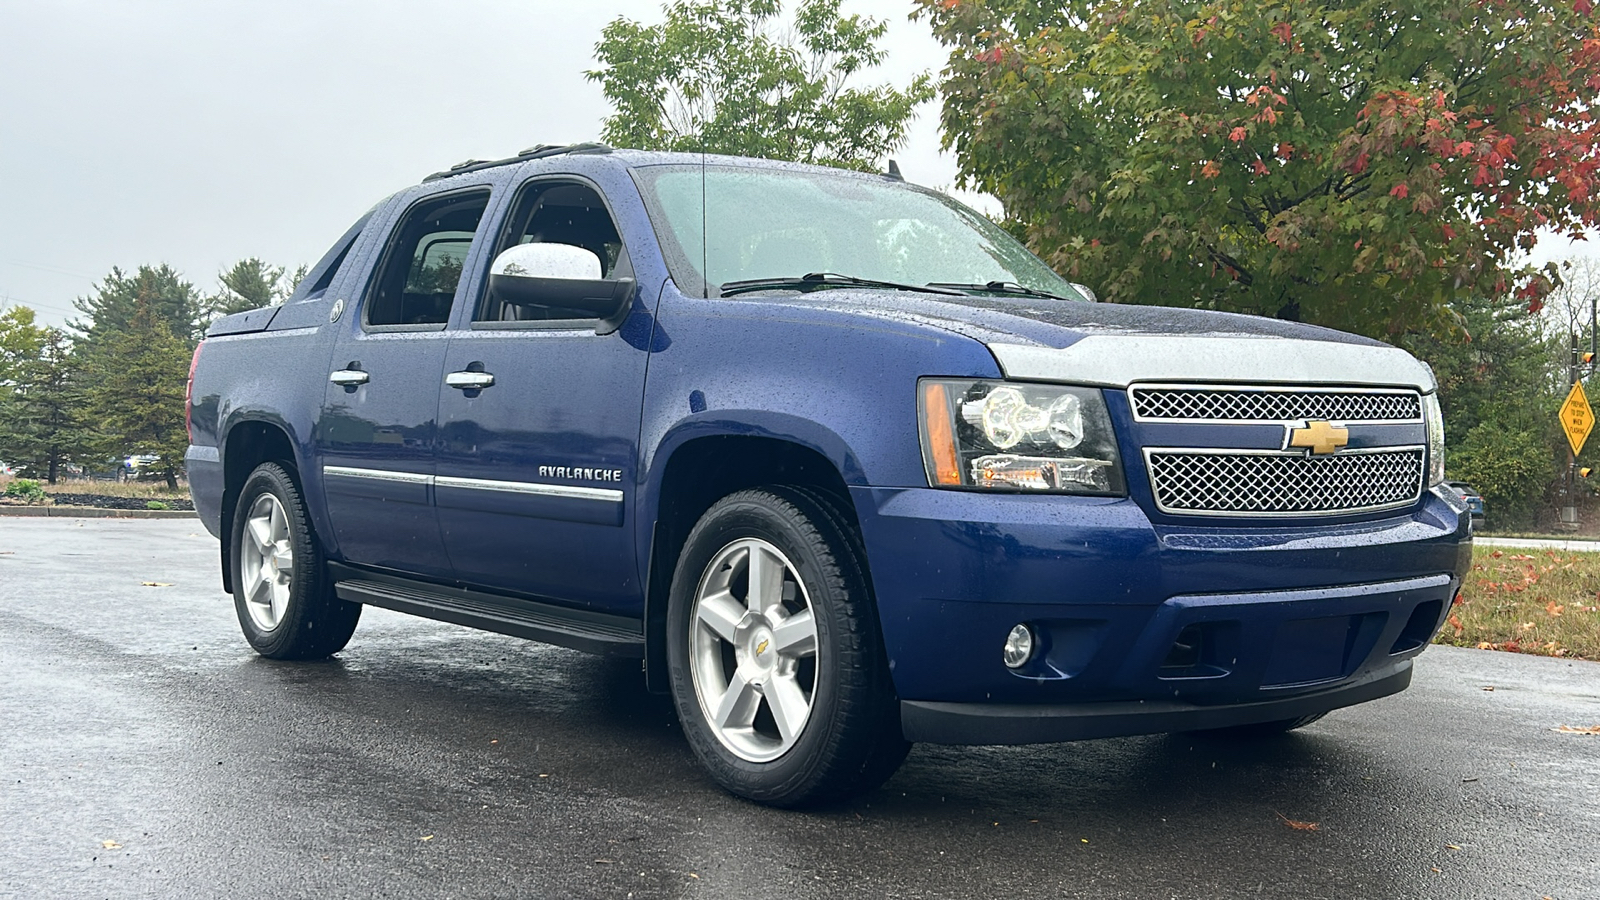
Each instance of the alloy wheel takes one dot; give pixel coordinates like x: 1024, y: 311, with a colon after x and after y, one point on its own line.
x: 753, y: 651
x: 266, y: 562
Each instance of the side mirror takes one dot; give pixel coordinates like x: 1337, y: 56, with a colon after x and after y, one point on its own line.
x: 560, y: 281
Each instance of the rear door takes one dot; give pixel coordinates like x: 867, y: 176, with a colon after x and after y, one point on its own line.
x: 377, y: 432
x: 536, y: 470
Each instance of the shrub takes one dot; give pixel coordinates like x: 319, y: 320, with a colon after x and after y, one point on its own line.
x: 1509, y: 466
x: 26, y: 490
x: 156, y: 504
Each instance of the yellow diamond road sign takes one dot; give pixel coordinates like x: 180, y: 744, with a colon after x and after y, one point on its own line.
x: 1577, y: 419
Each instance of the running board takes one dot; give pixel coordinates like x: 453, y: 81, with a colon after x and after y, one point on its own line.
x: 577, y: 629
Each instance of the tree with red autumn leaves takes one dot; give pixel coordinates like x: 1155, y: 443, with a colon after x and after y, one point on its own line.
x: 1359, y: 164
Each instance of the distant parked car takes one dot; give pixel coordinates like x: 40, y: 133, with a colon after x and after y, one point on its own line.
x: 6, y: 470
x: 1471, y: 495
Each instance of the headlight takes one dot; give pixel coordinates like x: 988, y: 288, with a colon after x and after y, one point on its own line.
x: 1014, y: 436
x: 1435, y: 420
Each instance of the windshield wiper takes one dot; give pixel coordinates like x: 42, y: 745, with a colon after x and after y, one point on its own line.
x: 1003, y: 287
x: 818, y: 280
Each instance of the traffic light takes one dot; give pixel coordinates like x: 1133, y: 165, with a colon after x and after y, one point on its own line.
x: 1587, y: 358
x: 1584, y: 472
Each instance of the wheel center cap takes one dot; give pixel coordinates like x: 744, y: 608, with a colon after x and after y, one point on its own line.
x: 761, y: 649
x: 755, y: 645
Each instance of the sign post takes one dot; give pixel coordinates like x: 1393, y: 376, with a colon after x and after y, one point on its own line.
x: 1577, y: 420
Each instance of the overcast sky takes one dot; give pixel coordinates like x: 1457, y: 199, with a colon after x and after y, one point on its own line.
x: 198, y: 132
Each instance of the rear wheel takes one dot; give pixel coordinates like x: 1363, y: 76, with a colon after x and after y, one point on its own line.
x: 776, y: 664
x: 281, y: 590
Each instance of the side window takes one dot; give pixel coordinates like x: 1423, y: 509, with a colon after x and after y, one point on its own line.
x: 422, y: 265
x: 556, y: 213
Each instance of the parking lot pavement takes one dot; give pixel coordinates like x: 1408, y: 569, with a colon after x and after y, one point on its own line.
x: 146, y: 751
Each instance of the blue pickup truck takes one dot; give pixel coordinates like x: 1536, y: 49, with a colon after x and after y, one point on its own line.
x: 835, y: 457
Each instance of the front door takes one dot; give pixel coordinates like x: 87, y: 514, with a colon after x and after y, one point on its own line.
x: 537, y: 469
x: 377, y: 433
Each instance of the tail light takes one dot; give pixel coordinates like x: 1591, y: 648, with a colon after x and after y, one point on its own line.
x: 188, y: 392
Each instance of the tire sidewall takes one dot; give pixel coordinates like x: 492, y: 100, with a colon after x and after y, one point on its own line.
x: 736, y: 518
x: 270, y: 478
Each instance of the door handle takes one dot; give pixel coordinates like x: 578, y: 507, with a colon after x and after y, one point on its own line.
x: 349, y: 377
x: 469, y: 381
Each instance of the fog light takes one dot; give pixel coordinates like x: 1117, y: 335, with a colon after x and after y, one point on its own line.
x: 1019, y: 646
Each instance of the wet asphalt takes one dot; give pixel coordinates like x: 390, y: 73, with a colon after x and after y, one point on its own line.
x: 146, y: 752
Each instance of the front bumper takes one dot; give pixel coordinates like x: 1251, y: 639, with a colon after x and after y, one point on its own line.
x: 1169, y: 624
x: 1031, y: 723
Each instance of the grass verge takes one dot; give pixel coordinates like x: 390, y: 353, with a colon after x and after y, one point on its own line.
x: 1545, y: 602
x: 143, y: 490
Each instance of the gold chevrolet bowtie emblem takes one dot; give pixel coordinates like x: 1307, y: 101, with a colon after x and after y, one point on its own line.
x: 1319, y: 437
x: 761, y: 648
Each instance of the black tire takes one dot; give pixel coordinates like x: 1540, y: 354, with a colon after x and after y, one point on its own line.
x: 1259, y: 730
x: 851, y: 741
x: 313, y: 623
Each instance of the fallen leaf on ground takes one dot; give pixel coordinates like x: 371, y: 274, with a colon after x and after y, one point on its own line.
x: 1297, y: 825
x: 1453, y: 846
x: 111, y: 845
x: 427, y: 837
x: 1553, y: 608
x: 1579, y: 729
x: 156, y: 583
x: 1489, y: 687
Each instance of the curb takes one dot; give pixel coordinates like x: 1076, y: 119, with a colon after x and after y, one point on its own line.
x: 94, y: 512
x: 1572, y: 546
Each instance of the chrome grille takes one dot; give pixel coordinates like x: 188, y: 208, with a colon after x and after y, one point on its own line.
x: 1199, y: 482
x: 1225, y: 404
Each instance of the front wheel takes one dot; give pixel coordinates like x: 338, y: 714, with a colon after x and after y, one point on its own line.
x: 775, y: 659
x: 281, y: 590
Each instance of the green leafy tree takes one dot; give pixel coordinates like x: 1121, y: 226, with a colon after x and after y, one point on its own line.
x: 135, y: 390
x: 724, y: 76
x: 20, y: 340
x: 1357, y: 164
x: 251, y: 284
x: 42, y: 423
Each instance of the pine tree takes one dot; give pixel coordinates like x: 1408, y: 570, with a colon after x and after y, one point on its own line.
x: 249, y: 284
x: 135, y: 392
x: 111, y: 308
x: 43, y: 420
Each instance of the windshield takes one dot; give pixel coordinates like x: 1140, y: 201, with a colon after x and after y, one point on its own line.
x: 764, y: 223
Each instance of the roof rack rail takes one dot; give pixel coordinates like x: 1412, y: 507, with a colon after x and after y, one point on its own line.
x: 539, y: 151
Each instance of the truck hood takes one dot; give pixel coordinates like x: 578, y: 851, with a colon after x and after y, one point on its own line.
x: 1114, y: 345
